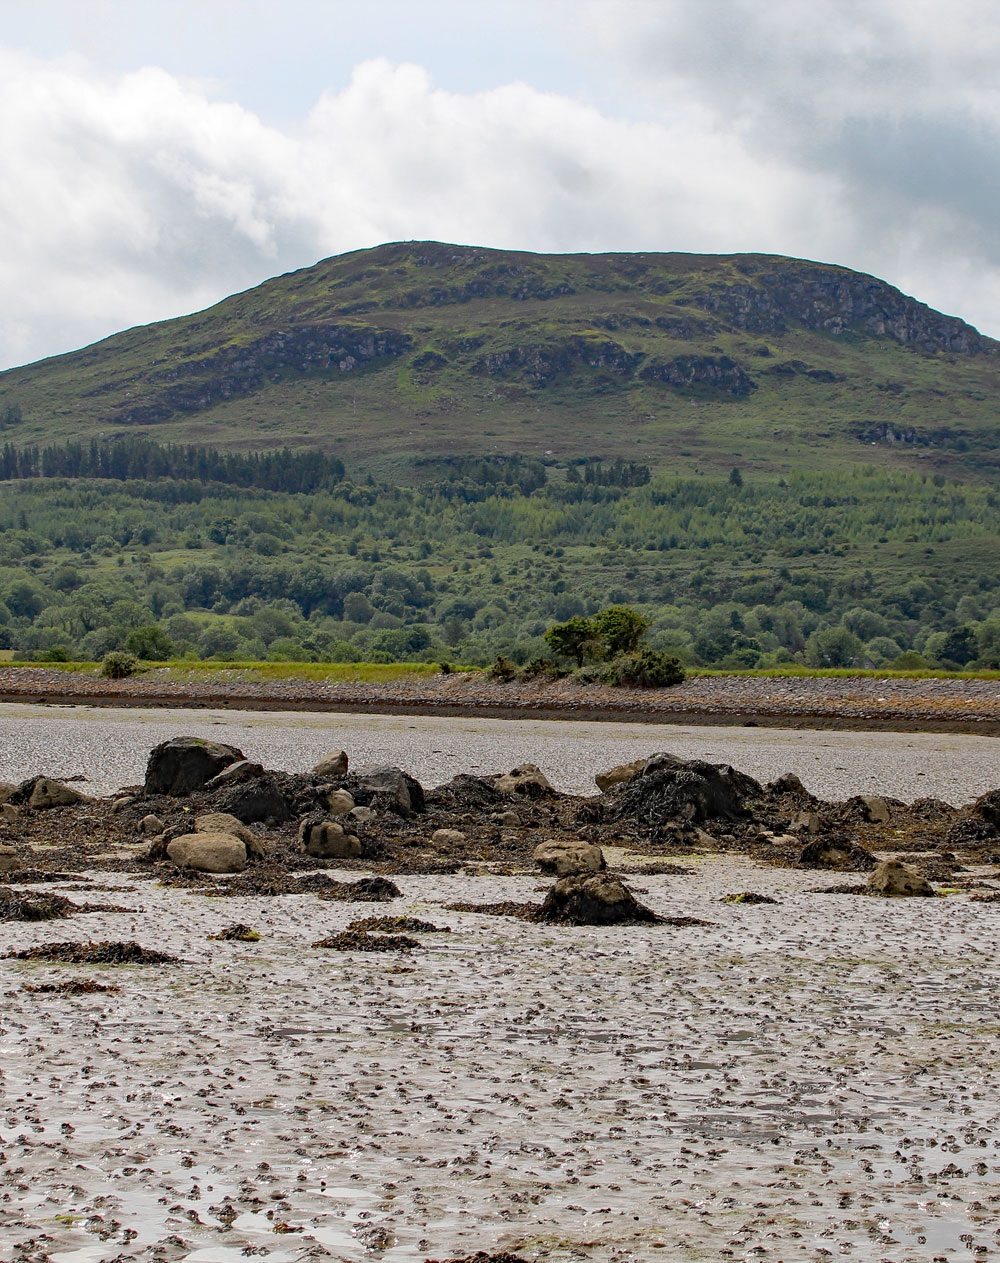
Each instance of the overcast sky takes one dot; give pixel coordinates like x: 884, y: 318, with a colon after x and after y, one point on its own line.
x: 160, y: 154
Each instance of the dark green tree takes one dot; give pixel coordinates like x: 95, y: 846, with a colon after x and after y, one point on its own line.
x: 621, y: 628
x: 573, y: 639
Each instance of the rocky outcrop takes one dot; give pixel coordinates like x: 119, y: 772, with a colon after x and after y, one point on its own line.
x: 40, y: 792
x: 241, y: 368
x: 541, y: 363
x: 779, y: 294
x: 717, y: 374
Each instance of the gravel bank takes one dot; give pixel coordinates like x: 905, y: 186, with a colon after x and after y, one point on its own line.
x: 899, y: 704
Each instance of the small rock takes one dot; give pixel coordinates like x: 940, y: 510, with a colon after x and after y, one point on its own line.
x: 806, y: 822
x: 184, y: 764
x: 9, y: 861
x: 152, y: 825
x: 6, y: 789
x: 8, y: 811
x: 527, y: 779
x: 208, y: 852
x: 509, y: 819
x: 566, y: 858
x: 891, y: 877
x: 339, y: 802
x: 328, y: 840
x: 876, y: 808
x: 241, y: 770
x: 362, y: 814
x: 121, y: 804
x: 616, y: 775
x: 332, y: 764
x: 448, y: 837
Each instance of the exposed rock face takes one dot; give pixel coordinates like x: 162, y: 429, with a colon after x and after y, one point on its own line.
x: 527, y: 779
x: 837, y: 301
x: 616, y: 775
x: 563, y: 859
x: 891, y: 877
x: 332, y: 764
x: 235, y: 370
x: 208, y: 852
x: 673, y: 789
x: 599, y: 899
x: 39, y: 792
x: 328, y: 840
x: 716, y: 373
x: 185, y: 764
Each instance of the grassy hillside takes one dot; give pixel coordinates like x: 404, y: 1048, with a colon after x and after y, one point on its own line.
x: 681, y: 362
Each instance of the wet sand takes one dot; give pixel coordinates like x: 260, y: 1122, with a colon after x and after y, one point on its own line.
x: 109, y: 746
x: 800, y: 1081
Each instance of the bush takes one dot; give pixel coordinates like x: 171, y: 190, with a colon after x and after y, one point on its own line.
x: 503, y: 669
x: 118, y: 664
x: 645, y: 669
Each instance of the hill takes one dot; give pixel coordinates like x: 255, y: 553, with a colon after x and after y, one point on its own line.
x: 387, y: 356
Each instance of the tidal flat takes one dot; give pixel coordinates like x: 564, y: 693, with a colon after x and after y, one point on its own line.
x: 808, y: 1079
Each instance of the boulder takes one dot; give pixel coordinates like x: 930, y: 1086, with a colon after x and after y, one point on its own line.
x: 328, y: 840
x: 241, y: 770
x: 223, y: 822
x: 40, y: 792
x: 9, y: 861
x: 876, y: 808
x: 686, y: 790
x: 151, y: 826
x: 617, y: 775
x: 789, y: 783
x: 839, y: 852
x: 526, y: 779
x: 332, y: 764
x: 566, y: 858
x: 987, y: 808
x: 893, y: 878
x: 392, y: 789
x: 208, y: 852
x: 448, y: 837
x: 362, y: 814
x: 593, y: 899
x: 8, y: 811
x: 806, y: 822
x: 6, y: 789
x: 184, y: 764
x: 261, y: 799
x: 339, y: 802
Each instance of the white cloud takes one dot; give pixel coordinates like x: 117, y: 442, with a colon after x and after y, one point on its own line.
x: 128, y: 198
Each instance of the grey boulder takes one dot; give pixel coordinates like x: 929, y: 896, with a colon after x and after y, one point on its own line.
x: 185, y: 764
x: 896, y: 879
x: 208, y: 852
x: 566, y: 858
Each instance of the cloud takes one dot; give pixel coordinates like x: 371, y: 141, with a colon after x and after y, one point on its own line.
x: 129, y: 198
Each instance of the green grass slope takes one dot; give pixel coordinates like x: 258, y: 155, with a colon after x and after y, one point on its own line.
x: 682, y: 362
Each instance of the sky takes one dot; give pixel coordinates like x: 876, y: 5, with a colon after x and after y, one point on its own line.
x: 157, y: 155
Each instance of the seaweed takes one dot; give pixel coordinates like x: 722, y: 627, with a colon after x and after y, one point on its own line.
x: 397, y: 925
x: 106, y: 953
x: 353, y: 940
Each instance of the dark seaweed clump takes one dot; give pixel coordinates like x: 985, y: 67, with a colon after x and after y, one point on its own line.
x: 525, y: 911
x: 107, y: 953
x: 75, y: 986
x: 238, y: 933
x: 397, y: 925
x: 747, y: 896
x: 15, y: 905
x: 367, y: 890
x: 359, y: 941
x: 480, y: 1256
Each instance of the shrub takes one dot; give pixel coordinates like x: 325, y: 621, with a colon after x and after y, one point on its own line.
x: 118, y: 664
x: 503, y: 669
x: 646, y: 669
